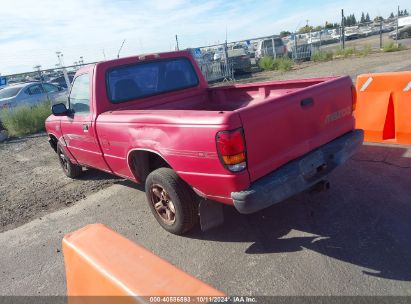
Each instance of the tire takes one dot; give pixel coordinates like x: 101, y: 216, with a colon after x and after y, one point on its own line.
x: 70, y: 170
x: 172, y: 202
x: 405, y: 35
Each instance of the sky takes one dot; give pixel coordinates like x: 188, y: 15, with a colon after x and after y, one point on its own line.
x: 32, y: 31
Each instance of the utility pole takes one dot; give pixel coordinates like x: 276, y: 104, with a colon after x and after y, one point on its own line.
x: 38, y: 68
x: 177, y: 47
x: 61, y: 63
x: 118, y: 54
x: 398, y: 17
x: 342, y: 29
x: 104, y: 55
x: 380, y: 33
x: 226, y: 34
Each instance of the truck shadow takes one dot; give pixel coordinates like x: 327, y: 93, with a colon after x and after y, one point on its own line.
x: 97, y: 175
x: 365, y: 219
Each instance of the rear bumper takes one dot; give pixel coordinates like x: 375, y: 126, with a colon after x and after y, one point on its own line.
x: 298, y: 175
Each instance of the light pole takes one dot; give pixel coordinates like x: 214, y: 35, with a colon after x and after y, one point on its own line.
x: 396, y: 29
x: 121, y: 47
x: 38, y: 69
x: 61, y: 63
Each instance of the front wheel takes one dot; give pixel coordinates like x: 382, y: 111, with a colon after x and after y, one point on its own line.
x: 71, y: 170
x: 172, y: 201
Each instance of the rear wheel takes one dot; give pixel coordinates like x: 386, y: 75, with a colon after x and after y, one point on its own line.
x: 172, y: 201
x: 71, y: 170
x: 405, y: 35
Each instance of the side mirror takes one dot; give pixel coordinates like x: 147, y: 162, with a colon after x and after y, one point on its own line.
x: 59, y: 109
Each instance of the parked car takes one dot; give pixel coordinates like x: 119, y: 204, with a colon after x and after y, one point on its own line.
x: 387, y: 28
x: 154, y: 120
x: 238, y: 46
x: 247, y: 48
x: 30, y: 93
x: 60, y: 81
x: 239, y: 59
x: 335, y: 36
x: 403, y: 33
x: 265, y: 48
x: 351, y: 34
x: 366, y: 31
x: 219, y: 54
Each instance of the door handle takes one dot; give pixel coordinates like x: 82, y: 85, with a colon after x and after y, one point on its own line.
x: 85, y: 127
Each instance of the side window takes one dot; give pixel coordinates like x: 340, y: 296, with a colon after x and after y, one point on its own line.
x: 80, y: 94
x: 49, y: 88
x: 34, y: 90
x: 278, y: 42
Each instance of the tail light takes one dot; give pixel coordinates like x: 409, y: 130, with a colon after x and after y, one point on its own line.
x: 231, y: 149
x: 354, y: 98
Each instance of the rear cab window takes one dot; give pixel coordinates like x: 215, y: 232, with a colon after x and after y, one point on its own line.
x: 145, y: 79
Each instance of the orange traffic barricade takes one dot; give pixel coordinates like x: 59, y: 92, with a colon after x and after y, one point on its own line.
x: 105, y: 267
x: 383, y: 107
x: 403, y: 117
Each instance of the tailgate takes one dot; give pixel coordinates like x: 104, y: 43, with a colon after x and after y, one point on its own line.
x: 281, y: 129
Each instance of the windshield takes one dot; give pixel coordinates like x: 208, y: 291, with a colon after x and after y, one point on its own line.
x: 9, y: 92
x: 151, y: 78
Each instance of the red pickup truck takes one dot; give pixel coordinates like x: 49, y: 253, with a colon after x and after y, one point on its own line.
x: 154, y: 120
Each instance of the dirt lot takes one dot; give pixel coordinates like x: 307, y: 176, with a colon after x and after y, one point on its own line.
x: 33, y: 184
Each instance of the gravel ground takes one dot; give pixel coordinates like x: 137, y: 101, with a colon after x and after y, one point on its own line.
x: 351, y: 240
x: 33, y: 184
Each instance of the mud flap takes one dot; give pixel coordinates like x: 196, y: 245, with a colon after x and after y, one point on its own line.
x: 211, y: 214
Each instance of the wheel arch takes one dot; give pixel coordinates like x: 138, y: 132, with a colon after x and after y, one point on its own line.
x: 53, y: 141
x: 142, y: 162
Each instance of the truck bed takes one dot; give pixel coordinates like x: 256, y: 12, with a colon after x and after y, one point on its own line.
x: 282, y: 120
x: 233, y: 97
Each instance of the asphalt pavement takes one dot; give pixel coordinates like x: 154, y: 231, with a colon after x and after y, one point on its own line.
x: 354, y: 239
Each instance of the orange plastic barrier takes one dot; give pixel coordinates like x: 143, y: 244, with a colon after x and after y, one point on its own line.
x: 101, y: 264
x: 383, y: 108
